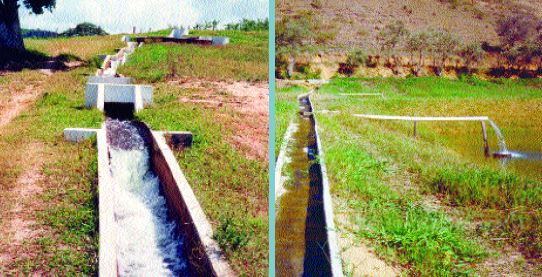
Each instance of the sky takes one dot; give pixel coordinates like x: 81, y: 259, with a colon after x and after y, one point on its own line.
x: 119, y: 16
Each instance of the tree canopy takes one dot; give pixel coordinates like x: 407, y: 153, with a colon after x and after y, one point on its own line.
x: 84, y: 29
x: 39, y: 6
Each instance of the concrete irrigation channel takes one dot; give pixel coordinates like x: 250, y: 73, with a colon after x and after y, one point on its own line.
x: 306, y: 243
x: 150, y: 221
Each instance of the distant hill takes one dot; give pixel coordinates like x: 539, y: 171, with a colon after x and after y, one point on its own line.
x: 356, y: 23
x: 37, y: 33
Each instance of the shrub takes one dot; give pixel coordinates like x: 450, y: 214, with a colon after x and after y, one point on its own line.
x: 471, y: 54
x: 84, y: 29
x: 317, y: 4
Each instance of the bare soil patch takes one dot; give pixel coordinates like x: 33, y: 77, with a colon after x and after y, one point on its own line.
x: 249, y: 102
x: 358, y: 258
x: 18, y: 224
x: 17, y: 96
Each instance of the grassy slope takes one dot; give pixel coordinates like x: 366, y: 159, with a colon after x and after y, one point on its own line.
x: 245, y: 58
x: 356, y: 23
x: 217, y: 172
x: 66, y: 210
x: 386, y: 178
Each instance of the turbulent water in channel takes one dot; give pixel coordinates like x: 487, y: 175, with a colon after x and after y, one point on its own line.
x: 301, y: 239
x: 148, y: 242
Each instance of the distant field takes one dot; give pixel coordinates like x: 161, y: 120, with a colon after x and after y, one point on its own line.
x: 245, y: 58
x: 434, y: 204
x: 84, y: 48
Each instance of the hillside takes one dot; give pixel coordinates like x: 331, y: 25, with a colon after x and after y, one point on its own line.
x: 356, y: 23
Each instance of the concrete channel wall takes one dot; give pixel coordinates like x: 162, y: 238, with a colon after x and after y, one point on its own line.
x: 334, y: 253
x: 205, y: 256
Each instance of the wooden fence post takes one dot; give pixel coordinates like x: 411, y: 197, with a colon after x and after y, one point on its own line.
x: 415, y: 131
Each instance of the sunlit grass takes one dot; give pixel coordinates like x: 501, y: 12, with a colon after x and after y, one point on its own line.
x: 245, y: 58
x: 84, y: 48
x: 368, y: 159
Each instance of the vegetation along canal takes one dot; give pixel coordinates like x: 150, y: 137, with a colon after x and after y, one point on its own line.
x: 301, y: 240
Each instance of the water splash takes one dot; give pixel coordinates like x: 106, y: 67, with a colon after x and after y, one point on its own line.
x: 148, y: 243
x: 502, y: 142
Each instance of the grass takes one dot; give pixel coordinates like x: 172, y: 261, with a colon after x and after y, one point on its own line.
x: 386, y: 177
x: 286, y: 106
x: 219, y: 173
x: 84, y: 48
x: 66, y: 211
x: 216, y: 170
x: 245, y: 58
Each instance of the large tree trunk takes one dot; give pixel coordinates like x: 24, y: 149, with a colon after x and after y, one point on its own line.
x: 10, y: 28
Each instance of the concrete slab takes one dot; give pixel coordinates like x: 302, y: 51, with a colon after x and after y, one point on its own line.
x: 177, y: 139
x: 79, y: 134
x: 110, y: 80
x: 219, y: 41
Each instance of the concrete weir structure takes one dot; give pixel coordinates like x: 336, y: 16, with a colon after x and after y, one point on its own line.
x: 97, y: 94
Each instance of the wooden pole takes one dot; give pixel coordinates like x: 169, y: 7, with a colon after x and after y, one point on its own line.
x: 484, y: 133
x: 415, y: 131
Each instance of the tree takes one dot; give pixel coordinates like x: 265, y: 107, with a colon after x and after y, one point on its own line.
x: 292, y: 33
x: 391, y: 37
x: 471, y: 54
x: 215, y: 24
x: 417, y: 43
x: 443, y: 46
x: 84, y: 29
x: 10, y: 27
x: 517, y: 28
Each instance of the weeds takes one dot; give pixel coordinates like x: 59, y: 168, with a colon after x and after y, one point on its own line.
x: 386, y: 174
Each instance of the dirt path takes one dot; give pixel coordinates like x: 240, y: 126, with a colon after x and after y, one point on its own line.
x: 249, y: 100
x: 18, y: 221
x: 18, y: 95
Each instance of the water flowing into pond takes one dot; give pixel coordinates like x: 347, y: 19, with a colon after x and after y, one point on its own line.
x: 502, y: 142
x: 148, y: 241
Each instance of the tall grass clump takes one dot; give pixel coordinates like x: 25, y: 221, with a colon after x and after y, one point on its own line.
x: 420, y: 238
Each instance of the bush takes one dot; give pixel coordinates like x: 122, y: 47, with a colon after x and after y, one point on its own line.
x: 84, y: 29
x: 356, y: 58
x: 317, y: 4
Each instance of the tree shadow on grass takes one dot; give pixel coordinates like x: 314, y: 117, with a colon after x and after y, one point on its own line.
x: 17, y: 60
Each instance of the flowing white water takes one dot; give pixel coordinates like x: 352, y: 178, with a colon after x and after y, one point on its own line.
x: 148, y: 243
x: 502, y: 143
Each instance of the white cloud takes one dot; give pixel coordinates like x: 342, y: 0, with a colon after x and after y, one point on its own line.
x: 117, y: 16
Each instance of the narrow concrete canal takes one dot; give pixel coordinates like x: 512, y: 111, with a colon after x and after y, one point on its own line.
x: 301, y: 239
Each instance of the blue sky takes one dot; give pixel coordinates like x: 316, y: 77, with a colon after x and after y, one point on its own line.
x: 118, y: 16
